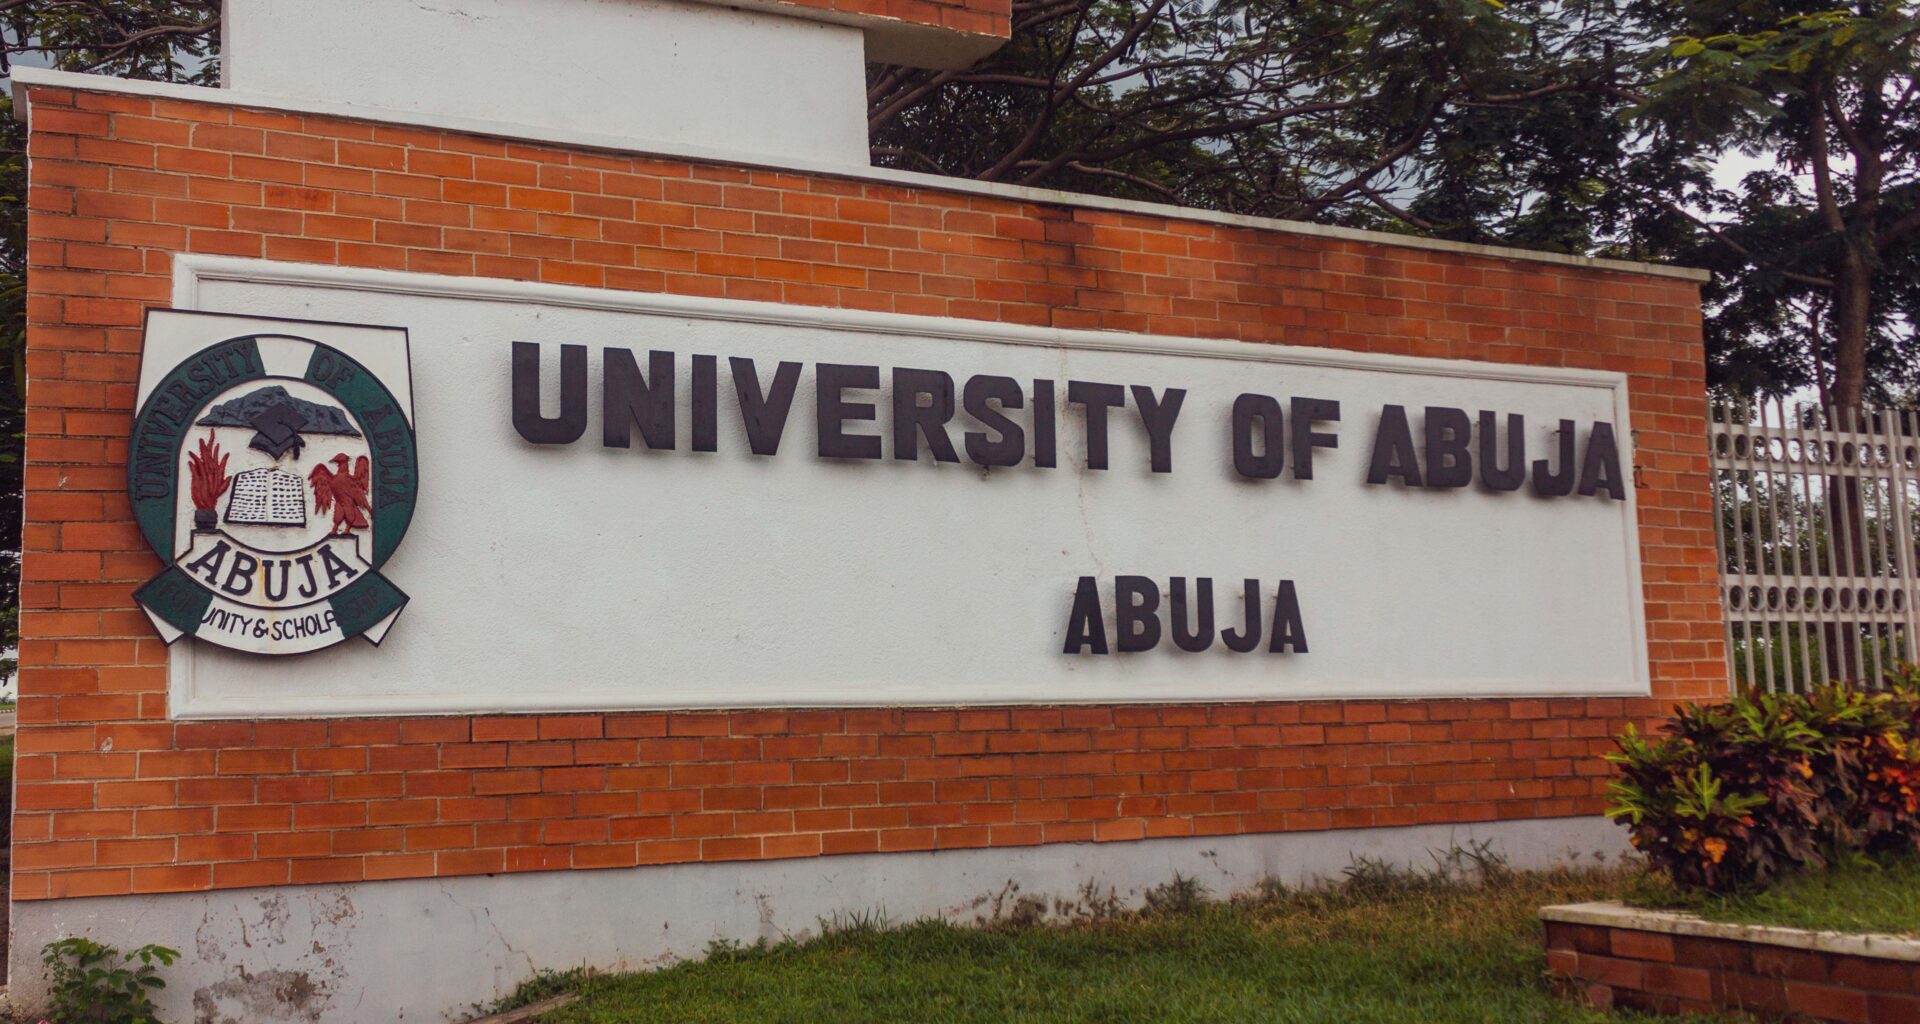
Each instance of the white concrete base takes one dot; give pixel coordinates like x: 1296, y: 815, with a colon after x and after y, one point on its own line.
x: 428, y: 949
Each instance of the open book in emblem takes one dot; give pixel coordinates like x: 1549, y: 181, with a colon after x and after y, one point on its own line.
x: 268, y: 497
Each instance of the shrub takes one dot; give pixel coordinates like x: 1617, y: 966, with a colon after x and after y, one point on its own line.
x: 96, y: 984
x: 1737, y: 795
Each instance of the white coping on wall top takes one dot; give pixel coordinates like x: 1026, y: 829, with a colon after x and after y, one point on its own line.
x: 1619, y: 915
x: 889, y: 40
x: 27, y: 76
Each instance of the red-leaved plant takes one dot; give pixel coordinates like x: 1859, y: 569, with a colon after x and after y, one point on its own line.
x: 1737, y: 795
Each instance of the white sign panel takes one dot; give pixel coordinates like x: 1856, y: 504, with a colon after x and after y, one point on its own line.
x: 698, y: 503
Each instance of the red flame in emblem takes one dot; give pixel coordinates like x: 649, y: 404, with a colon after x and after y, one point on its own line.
x: 210, y: 479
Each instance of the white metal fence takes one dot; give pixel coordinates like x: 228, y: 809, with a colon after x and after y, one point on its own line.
x: 1818, y: 513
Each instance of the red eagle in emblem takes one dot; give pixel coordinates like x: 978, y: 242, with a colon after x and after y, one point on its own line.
x: 344, y: 492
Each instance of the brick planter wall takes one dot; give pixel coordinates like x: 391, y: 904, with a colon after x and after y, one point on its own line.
x: 1612, y: 956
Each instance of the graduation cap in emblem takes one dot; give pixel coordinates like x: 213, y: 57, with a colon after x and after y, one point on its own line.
x: 277, y: 430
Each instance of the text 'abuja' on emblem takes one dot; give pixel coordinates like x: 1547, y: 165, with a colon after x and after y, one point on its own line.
x: 275, y: 474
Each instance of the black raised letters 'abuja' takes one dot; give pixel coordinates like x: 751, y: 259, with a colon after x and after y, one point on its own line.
x: 1201, y: 636
x: 1514, y: 474
x: 1393, y: 454
x: 1549, y: 484
x: 1136, y: 613
x: 1449, y: 435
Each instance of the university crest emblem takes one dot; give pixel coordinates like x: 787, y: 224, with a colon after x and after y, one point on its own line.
x: 272, y: 467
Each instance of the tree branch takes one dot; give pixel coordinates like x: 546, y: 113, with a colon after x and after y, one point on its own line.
x: 1899, y: 229
x: 1822, y: 173
x: 1120, y: 46
x: 1744, y: 252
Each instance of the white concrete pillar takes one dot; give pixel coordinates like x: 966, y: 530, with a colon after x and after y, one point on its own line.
x: 669, y: 74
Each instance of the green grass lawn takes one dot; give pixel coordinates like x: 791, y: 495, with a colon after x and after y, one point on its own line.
x: 1861, y: 895
x: 1377, y: 949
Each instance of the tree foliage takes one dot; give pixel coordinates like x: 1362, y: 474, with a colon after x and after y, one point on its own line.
x: 1818, y: 256
x: 153, y: 40
x: 13, y: 339
x: 1333, y: 111
x: 161, y: 40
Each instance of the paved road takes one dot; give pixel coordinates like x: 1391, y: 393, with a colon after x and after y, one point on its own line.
x: 6, y: 723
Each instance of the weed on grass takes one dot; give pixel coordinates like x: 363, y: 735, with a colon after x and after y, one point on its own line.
x: 1452, y: 944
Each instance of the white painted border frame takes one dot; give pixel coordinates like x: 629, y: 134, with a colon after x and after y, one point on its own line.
x: 190, y: 270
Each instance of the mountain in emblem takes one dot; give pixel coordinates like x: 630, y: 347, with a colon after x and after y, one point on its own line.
x: 249, y: 408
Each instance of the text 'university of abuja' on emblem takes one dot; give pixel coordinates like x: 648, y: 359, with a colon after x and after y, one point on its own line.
x: 272, y: 467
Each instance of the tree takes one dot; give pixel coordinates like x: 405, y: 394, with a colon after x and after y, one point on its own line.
x: 13, y: 336
x: 1325, y: 111
x: 1820, y: 255
x: 173, y: 41
x: 154, y: 40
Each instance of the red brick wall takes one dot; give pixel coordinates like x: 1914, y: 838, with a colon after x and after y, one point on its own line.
x: 115, y: 798
x: 1700, y: 974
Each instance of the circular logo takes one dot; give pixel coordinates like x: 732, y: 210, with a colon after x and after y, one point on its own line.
x: 275, y: 475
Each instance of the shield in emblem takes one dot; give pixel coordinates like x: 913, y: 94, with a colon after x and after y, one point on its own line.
x: 272, y: 466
